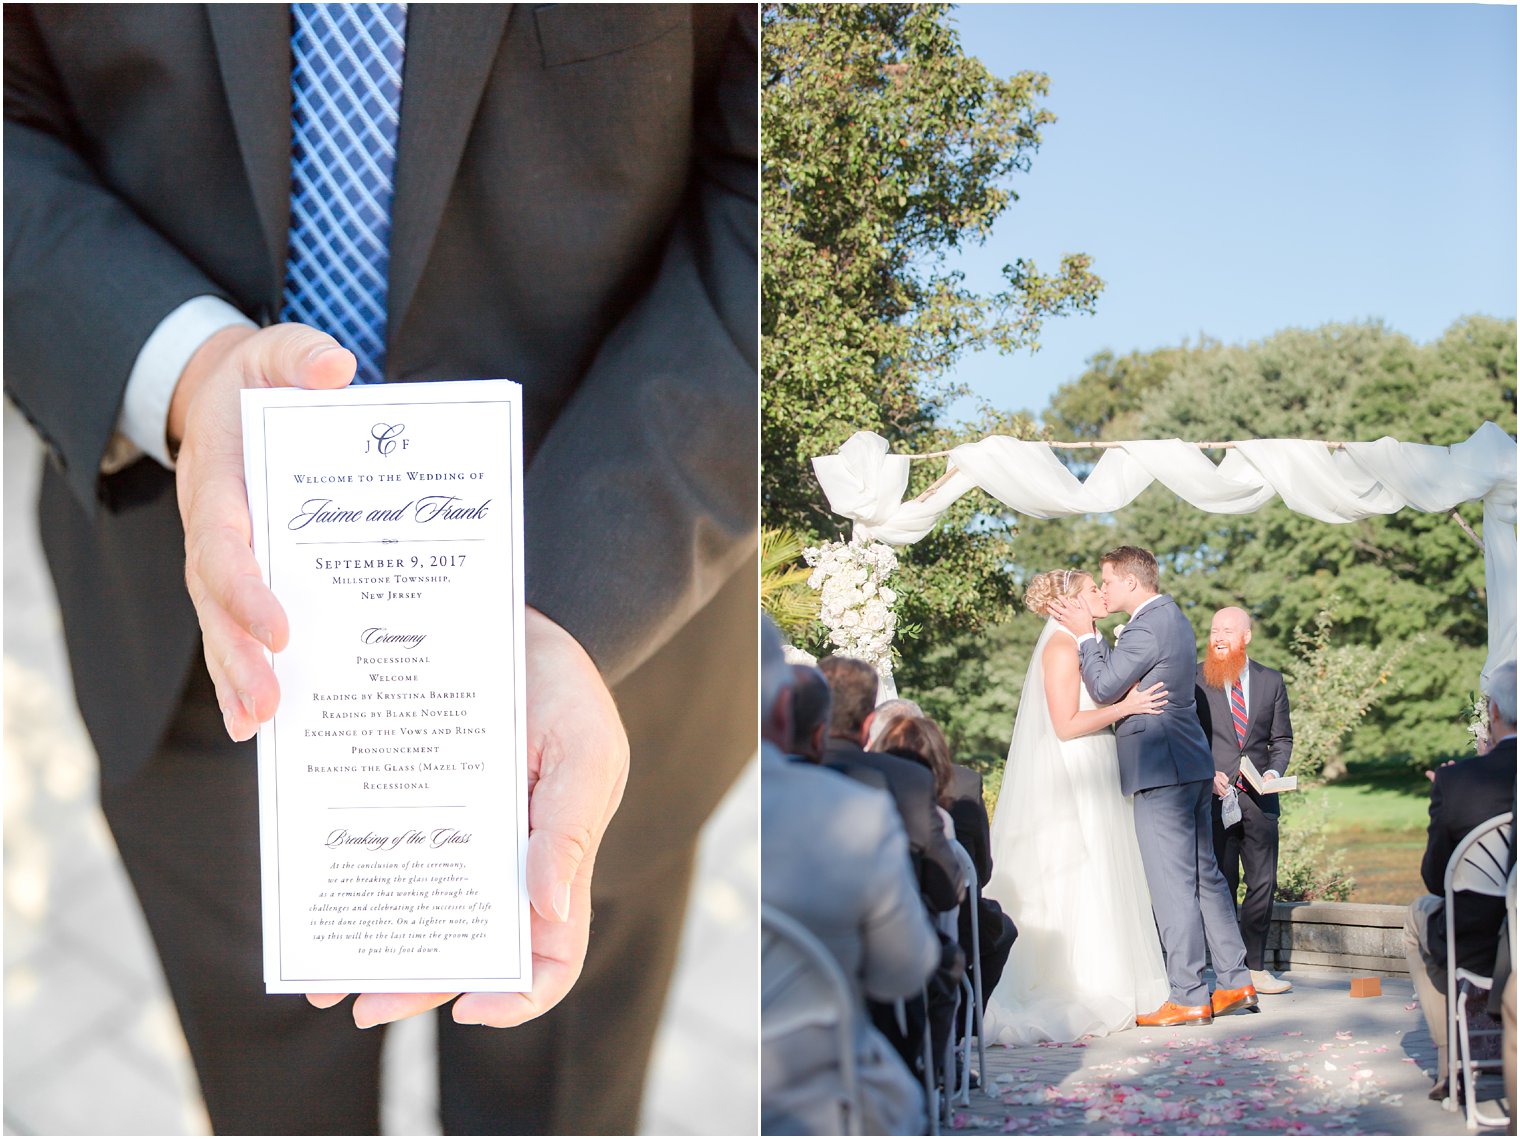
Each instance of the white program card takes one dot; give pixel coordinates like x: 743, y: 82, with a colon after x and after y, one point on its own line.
x: 392, y: 780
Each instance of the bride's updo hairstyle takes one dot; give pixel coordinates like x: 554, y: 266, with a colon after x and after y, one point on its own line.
x: 1046, y: 587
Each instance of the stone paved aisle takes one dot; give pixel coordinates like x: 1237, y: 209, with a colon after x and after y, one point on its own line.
x: 1315, y: 1061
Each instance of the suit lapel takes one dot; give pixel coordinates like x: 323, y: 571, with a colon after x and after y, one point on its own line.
x: 1258, y: 697
x: 253, y: 53
x: 1219, y: 703
x: 449, y: 52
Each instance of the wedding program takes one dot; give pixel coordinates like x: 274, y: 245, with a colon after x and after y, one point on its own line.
x: 392, y: 780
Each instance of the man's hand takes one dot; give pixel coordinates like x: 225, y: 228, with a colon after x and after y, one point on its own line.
x: 577, y: 769
x: 238, y: 614
x: 1075, y: 615
x: 1431, y: 775
x: 1221, y: 784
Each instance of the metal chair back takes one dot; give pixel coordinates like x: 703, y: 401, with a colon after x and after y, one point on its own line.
x: 974, y: 972
x: 801, y: 987
x: 1479, y: 865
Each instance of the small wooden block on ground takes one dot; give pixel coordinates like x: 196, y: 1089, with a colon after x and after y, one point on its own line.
x: 1366, y: 986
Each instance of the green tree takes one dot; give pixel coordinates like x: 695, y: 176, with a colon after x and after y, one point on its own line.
x: 1333, y: 686
x: 885, y: 149
x: 1397, y: 578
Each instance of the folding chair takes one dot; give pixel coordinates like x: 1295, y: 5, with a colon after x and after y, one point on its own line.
x: 931, y: 1086
x: 1479, y: 865
x: 802, y: 986
x: 971, y: 987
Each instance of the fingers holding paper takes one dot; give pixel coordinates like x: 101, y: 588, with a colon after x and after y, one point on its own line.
x: 577, y: 770
x: 239, y: 616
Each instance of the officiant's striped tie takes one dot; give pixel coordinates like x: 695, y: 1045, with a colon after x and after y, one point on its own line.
x: 345, y: 82
x: 1238, y: 712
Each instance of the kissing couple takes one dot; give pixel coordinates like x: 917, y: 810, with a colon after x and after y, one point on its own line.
x: 1102, y: 837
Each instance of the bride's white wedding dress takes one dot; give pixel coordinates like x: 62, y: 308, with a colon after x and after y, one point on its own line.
x: 1067, y: 870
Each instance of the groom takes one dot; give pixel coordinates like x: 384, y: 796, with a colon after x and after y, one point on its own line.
x: 1165, y: 763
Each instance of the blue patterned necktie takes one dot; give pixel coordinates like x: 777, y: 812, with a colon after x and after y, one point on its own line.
x: 345, y: 84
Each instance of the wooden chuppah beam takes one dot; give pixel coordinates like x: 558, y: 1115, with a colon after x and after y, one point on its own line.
x: 1107, y: 445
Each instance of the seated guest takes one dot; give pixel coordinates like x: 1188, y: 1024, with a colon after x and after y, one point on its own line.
x: 1504, y: 988
x: 1501, y: 998
x: 835, y: 858
x: 812, y: 705
x: 853, y: 685
x: 887, y: 713
x: 1462, y: 795
x: 959, y: 792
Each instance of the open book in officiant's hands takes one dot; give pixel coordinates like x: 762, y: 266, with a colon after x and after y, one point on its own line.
x: 1261, y: 784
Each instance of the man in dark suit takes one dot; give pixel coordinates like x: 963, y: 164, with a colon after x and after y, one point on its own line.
x: 941, y: 881
x: 1164, y: 764
x: 574, y: 208
x: 973, y: 830
x: 1462, y: 795
x: 1243, y: 707
x: 853, y: 684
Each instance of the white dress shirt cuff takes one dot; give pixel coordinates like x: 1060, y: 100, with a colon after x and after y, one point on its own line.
x: 1085, y: 637
x: 142, y: 427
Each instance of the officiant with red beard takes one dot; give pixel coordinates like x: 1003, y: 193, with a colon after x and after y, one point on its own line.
x: 1243, y: 706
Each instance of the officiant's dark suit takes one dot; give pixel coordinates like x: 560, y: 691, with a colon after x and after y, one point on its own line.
x: 574, y: 209
x: 1252, y: 842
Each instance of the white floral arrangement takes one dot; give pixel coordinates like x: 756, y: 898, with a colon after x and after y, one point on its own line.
x: 856, y: 602
x: 1475, y: 717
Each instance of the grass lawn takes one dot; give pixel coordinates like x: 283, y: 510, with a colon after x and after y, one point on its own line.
x: 1378, y: 815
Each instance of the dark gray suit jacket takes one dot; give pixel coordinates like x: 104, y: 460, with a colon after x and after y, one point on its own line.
x: 1159, y: 644
x: 911, y: 786
x: 575, y: 209
x: 1269, y: 729
x: 1469, y: 792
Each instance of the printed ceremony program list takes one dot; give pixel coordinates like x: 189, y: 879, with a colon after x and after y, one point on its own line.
x: 392, y: 780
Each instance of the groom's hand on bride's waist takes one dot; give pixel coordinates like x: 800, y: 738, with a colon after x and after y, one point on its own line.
x: 577, y: 769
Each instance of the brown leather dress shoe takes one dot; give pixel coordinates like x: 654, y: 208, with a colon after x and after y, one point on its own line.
x: 1171, y: 1014
x: 1225, y: 1001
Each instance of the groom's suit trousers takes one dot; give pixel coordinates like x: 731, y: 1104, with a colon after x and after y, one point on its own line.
x: 1194, y: 910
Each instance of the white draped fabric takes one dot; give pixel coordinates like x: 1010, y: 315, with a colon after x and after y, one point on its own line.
x: 866, y: 484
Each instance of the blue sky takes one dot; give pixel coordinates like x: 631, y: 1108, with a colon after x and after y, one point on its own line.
x: 1239, y: 169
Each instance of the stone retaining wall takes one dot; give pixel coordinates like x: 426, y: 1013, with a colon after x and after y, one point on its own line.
x: 1349, y: 936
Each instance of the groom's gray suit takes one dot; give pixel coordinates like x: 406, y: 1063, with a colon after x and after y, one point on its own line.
x: 1166, y: 764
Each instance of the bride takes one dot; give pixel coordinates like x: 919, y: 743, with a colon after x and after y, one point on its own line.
x: 1066, y: 863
